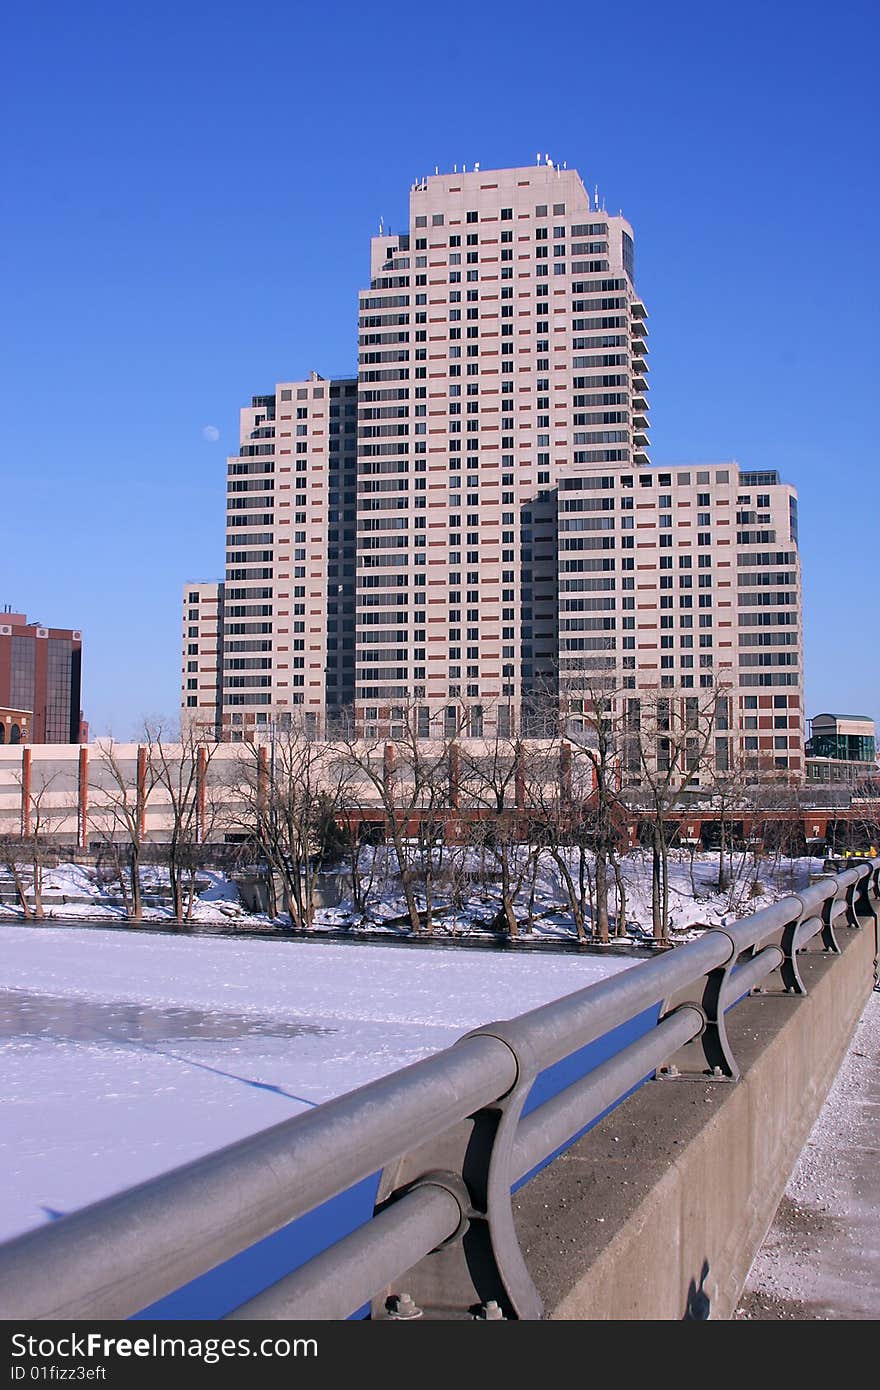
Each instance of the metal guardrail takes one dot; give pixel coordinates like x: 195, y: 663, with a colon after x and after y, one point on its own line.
x: 447, y: 1135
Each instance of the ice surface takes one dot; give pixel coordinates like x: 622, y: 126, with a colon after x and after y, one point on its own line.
x: 126, y: 1054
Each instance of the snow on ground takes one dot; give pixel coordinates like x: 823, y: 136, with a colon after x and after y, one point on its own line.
x: 127, y: 1054
x: 694, y: 898
x: 821, y: 1256
x: 86, y: 896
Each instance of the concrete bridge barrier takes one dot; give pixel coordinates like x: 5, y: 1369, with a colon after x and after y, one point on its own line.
x: 659, y: 1211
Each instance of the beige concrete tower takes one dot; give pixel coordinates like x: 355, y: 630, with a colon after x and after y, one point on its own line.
x: 288, y: 619
x: 682, y: 588
x: 202, y: 660
x: 283, y: 622
x: 501, y: 344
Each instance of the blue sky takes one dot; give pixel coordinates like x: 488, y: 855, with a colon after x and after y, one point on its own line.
x: 188, y: 194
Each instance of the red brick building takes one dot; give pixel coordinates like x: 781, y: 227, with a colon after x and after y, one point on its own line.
x: 41, y: 677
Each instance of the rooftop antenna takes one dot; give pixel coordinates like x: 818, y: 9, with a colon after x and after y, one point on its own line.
x: 476, y: 168
x: 455, y: 168
x: 381, y: 226
x: 436, y: 168
x: 538, y: 157
x: 565, y: 163
x: 596, y: 197
x: 464, y: 168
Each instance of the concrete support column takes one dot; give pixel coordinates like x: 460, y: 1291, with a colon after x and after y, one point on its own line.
x: 262, y: 779
x: 565, y: 772
x: 388, y: 767
x: 82, y: 819
x: 519, y: 778
x: 141, y: 791
x: 454, y: 760
x: 26, y: 791
x: 201, y: 791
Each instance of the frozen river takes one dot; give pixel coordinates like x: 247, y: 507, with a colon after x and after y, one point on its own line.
x: 126, y: 1054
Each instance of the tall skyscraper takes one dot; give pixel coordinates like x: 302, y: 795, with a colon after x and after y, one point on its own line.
x: 493, y: 536
x: 502, y: 343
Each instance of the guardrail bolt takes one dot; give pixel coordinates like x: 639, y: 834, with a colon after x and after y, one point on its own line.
x: 489, y: 1312
x: 401, y: 1305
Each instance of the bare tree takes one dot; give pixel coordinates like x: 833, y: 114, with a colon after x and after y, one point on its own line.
x: 779, y: 822
x: 562, y: 824
x: 665, y: 738
x: 493, y: 784
x: 727, y: 779
x: 180, y: 770
x: 595, y: 700
x: 36, y: 844
x: 292, y: 791
x: 12, y: 848
x: 121, y: 812
x: 409, y: 780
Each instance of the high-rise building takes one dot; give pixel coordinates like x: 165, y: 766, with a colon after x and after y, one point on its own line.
x: 502, y: 343
x: 279, y: 633
x: 472, y: 530
x: 684, y: 586
x: 40, y: 681
x: 202, y: 660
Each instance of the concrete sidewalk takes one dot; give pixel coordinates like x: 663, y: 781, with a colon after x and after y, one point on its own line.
x: 821, y: 1257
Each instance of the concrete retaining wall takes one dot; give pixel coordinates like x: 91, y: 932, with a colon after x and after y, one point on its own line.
x: 669, y: 1198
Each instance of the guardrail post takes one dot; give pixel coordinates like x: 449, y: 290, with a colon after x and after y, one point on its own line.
x: 481, y: 1264
x: 816, y: 904
x: 841, y: 905
x: 709, y: 1054
x: 759, y: 946
x: 866, y: 894
x: 829, y: 912
x: 792, y: 981
x: 852, y: 916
